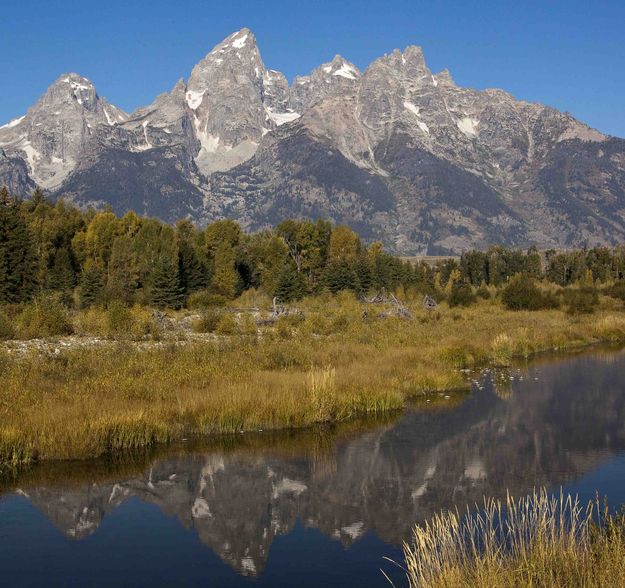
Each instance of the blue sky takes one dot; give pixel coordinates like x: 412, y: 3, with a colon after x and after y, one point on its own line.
x: 568, y: 54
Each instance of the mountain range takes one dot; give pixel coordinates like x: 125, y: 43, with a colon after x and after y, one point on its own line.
x: 401, y: 154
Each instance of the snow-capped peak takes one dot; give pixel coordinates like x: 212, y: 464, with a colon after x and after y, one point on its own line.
x: 13, y: 123
x: 239, y: 42
x: 339, y: 66
x: 243, y: 39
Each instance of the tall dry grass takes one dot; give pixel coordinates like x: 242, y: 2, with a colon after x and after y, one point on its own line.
x: 537, y: 540
x: 327, y: 364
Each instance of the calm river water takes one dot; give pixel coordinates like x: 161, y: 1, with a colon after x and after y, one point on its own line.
x: 321, y: 507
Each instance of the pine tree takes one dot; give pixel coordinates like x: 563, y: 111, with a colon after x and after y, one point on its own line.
x: 18, y: 271
x: 166, y: 290
x: 37, y: 198
x: 340, y: 275
x: 291, y: 285
x: 193, y: 273
x: 61, y: 274
x: 91, y: 286
x: 363, y: 273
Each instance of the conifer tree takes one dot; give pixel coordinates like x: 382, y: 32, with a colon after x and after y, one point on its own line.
x: 37, y: 198
x: 340, y: 275
x: 193, y: 273
x: 61, y: 274
x: 363, y: 273
x: 18, y: 271
x: 91, y: 286
x: 165, y: 289
x: 291, y: 284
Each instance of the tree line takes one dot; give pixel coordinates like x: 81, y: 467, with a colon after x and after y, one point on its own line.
x: 95, y: 257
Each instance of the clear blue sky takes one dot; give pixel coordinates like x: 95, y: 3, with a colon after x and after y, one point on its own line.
x: 568, y: 54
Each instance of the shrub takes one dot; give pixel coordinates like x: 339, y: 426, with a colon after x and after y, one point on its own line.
x: 483, y: 292
x: 227, y: 325
x: 45, y: 316
x: 582, y: 301
x: 247, y: 325
x: 92, y: 321
x: 117, y: 318
x: 134, y: 323
x: 251, y: 298
x: 461, y: 295
x: 318, y: 324
x: 208, y: 320
x: 523, y: 294
x: 205, y: 299
x: 143, y: 323
x: 617, y: 290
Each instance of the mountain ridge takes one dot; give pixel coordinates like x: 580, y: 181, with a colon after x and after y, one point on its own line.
x: 398, y: 152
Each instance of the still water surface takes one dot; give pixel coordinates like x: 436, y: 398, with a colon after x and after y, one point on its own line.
x: 321, y: 507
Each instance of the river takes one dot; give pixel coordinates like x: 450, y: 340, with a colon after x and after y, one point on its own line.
x: 321, y: 507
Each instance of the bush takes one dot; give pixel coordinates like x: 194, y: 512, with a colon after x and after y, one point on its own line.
x: 134, y: 323
x: 227, y: 325
x: 208, y: 321
x: 617, y: 290
x: 118, y: 318
x: 92, y: 321
x: 462, y: 295
x: 582, y: 301
x: 205, y: 299
x: 483, y: 292
x: 523, y: 294
x: 45, y: 316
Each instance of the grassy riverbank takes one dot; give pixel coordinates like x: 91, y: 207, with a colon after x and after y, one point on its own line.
x: 535, y: 541
x: 326, y: 364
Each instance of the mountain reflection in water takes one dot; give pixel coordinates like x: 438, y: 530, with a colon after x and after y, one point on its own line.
x: 548, y: 424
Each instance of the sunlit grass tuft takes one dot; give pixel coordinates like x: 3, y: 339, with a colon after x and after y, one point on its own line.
x: 537, y: 540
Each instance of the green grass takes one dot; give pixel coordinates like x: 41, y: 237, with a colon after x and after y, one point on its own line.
x: 537, y: 540
x: 326, y: 365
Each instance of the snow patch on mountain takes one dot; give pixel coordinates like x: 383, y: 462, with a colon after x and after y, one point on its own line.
x: 194, y: 99
x: 346, y: 71
x: 13, y: 123
x: 110, y: 121
x: 281, y: 118
x: 468, y: 126
x: 415, y: 110
x: 240, y: 42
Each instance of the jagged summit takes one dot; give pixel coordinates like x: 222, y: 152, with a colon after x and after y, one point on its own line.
x: 338, y: 76
x: 400, y: 153
x: 242, y: 39
x: 53, y: 134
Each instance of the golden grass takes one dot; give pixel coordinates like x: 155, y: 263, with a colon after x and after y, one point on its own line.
x: 330, y: 366
x: 538, y: 540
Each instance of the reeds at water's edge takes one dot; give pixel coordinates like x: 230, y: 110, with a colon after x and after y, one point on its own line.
x: 537, y: 540
x: 329, y: 366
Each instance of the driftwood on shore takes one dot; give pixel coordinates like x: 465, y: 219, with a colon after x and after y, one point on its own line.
x: 277, y: 310
x: 399, y: 308
x: 429, y: 303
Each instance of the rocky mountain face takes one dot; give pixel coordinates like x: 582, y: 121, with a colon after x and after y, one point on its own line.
x: 508, y: 435
x: 398, y: 152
